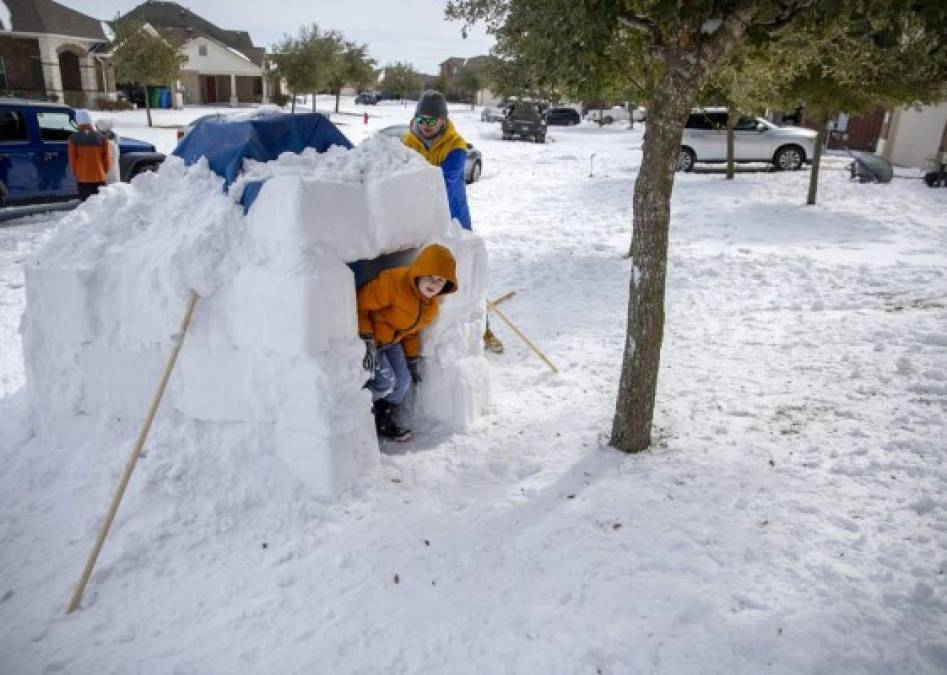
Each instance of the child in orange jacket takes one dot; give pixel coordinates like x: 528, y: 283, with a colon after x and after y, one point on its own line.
x: 393, y: 308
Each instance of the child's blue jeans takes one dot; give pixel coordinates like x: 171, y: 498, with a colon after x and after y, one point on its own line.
x: 392, y: 378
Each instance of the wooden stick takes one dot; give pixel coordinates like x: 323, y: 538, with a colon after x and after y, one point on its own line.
x: 525, y: 339
x: 503, y: 298
x: 133, y: 458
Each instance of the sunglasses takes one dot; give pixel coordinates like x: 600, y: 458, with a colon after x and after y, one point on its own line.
x: 426, y: 120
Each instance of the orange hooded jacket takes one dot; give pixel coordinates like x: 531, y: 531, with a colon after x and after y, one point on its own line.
x: 392, y: 309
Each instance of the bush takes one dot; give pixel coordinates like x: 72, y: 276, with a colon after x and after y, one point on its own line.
x: 280, y: 99
x: 109, y: 104
x: 75, y: 99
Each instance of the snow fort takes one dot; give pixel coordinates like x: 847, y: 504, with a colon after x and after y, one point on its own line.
x: 273, y: 220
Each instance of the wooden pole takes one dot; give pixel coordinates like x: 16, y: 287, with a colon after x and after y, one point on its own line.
x: 525, y: 339
x: 133, y: 458
x: 503, y: 298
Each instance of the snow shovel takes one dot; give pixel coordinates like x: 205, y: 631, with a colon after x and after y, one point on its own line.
x: 133, y: 458
x: 492, y: 306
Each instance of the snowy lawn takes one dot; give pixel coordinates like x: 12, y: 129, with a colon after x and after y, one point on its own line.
x: 791, y: 516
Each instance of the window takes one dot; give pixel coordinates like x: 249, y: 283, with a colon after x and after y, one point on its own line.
x: 12, y: 127
x: 745, y: 124
x: 55, y: 126
x: 3, y: 73
x: 202, y: 50
x: 699, y: 121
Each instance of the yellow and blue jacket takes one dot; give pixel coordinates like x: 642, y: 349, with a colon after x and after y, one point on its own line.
x: 448, y: 151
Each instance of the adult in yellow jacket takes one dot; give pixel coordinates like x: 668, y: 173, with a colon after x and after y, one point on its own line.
x: 393, y: 308
x: 433, y: 136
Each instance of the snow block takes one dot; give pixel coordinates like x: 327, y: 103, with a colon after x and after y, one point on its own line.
x: 273, y: 348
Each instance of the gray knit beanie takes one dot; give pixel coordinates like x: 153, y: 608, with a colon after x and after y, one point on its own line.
x: 433, y: 104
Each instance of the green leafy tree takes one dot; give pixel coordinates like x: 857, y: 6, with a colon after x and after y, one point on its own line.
x: 748, y: 81
x: 668, y: 49
x: 306, y: 61
x: 401, y: 79
x: 353, y: 66
x: 470, y: 83
x: 873, y: 53
x: 441, y: 84
x: 666, y: 46
x: 143, y: 58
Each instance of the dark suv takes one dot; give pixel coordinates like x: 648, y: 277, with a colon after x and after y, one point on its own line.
x: 562, y: 116
x: 524, y: 120
x: 34, y: 164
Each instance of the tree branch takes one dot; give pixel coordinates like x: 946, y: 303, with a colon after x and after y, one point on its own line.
x: 642, y: 24
x: 789, y: 10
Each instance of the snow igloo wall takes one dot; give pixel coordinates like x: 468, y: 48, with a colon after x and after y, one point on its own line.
x: 273, y: 348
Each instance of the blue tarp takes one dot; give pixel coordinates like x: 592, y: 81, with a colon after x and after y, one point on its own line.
x: 227, y: 143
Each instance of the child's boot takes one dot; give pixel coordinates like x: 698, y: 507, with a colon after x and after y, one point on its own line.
x: 393, y: 431
x: 382, y: 413
x: 385, y: 424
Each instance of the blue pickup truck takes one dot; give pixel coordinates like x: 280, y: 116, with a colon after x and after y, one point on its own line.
x: 34, y: 165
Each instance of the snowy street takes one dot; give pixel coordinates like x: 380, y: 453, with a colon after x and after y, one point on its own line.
x: 791, y: 516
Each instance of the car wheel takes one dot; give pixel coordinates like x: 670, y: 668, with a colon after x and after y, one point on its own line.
x: 789, y: 158
x: 609, y: 120
x: 685, y: 160
x: 507, y: 137
x: 541, y: 139
x: 475, y: 171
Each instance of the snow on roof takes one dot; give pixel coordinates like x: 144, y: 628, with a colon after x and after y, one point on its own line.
x: 6, y: 19
x: 239, y: 53
x: 107, y: 29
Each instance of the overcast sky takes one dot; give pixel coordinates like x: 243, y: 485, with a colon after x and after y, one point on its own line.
x: 395, y: 30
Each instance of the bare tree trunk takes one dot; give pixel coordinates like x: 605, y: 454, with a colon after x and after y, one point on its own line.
x: 816, y: 159
x: 634, y: 410
x: 314, y: 101
x: 338, y: 95
x: 147, y: 105
x: 683, y: 77
x: 292, y: 108
x: 731, y: 124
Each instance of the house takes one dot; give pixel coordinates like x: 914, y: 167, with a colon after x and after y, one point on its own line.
x: 222, y: 66
x: 451, y: 71
x: 48, y: 51
x: 912, y: 135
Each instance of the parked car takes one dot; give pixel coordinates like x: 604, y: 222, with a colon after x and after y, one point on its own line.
x: 524, y: 121
x: 34, y: 164
x: 367, y: 98
x: 562, y: 116
x: 639, y: 114
x: 491, y: 114
x: 609, y: 115
x: 755, y: 140
x: 472, y: 169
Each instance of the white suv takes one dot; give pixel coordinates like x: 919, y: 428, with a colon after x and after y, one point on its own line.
x: 755, y: 140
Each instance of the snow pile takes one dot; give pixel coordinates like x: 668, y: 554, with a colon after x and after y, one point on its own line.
x: 273, y: 346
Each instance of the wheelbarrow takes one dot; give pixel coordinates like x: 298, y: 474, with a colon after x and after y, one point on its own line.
x: 868, y: 168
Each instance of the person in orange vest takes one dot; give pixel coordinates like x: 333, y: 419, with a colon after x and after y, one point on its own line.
x: 89, y: 156
x: 393, y: 308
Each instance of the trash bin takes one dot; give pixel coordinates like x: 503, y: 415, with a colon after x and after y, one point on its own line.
x: 165, y: 97
x: 154, y: 97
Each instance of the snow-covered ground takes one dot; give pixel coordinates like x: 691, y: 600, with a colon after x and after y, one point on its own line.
x: 791, y: 516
